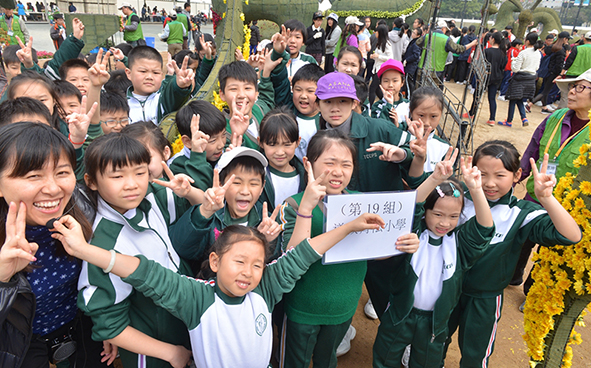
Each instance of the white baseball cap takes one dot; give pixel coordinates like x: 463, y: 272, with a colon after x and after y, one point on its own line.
x: 227, y: 157
x: 351, y: 19
x: 554, y: 32
x: 442, y: 24
x: 124, y: 5
x: 588, y: 35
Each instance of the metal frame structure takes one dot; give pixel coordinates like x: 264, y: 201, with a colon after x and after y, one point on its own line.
x: 456, y: 130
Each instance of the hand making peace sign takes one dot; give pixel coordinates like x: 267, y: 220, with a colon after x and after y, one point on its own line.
x: 268, y: 226
x: 214, y: 196
x: 17, y: 252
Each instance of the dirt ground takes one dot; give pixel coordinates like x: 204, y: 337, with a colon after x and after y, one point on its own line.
x: 510, y: 349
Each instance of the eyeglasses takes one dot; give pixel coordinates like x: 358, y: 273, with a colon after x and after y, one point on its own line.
x: 579, y: 88
x: 113, y: 123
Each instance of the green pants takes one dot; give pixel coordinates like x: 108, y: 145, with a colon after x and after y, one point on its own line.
x: 416, y: 330
x: 301, y: 344
x: 478, y: 321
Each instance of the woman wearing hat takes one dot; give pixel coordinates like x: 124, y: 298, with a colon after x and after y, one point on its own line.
x: 333, y: 34
x: 560, y: 135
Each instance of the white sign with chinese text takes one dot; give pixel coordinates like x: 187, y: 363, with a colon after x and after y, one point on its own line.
x: 396, y: 209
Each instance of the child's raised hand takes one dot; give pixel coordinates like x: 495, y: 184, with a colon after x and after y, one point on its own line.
x: 117, y: 53
x: 471, y: 174
x: 367, y: 221
x: 78, y: 28
x: 180, y: 184
x: 236, y: 141
x: 280, y: 40
x: 206, y: 47
x: 198, y: 138
x: 169, y: 66
x: 269, y: 65
x: 109, y: 353
x: 253, y: 59
x: 543, y: 182
x: 393, y: 114
x: 445, y: 168
x: 418, y: 146
x: 78, y: 123
x: 17, y: 252
x: 390, y: 152
x: 98, y: 73
x: 268, y: 226
x: 69, y: 232
x: 238, y: 54
x: 25, y: 54
x: 388, y: 96
x: 239, y: 120
x: 214, y: 196
x: 184, y: 76
x: 408, y: 243
x: 315, y: 191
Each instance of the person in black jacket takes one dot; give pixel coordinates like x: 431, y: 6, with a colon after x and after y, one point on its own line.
x: 315, y: 44
x: 556, y: 54
x: 411, y: 59
x: 255, y: 37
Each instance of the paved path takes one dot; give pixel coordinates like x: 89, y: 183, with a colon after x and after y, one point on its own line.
x: 42, y: 41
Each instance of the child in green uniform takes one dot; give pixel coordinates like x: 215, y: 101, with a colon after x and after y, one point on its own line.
x: 228, y: 316
x: 479, y: 309
x: 320, y: 308
x: 135, y: 217
x: 279, y: 140
x: 201, y: 151
x: 426, y: 286
x: 238, y: 180
x: 393, y: 107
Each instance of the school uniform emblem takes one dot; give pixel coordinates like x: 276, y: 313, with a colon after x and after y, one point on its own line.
x: 260, y: 324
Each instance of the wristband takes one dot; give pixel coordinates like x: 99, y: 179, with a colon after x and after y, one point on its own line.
x: 75, y: 143
x: 112, y: 262
x: 303, y: 216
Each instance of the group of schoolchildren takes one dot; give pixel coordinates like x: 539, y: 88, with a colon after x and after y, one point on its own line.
x: 241, y: 208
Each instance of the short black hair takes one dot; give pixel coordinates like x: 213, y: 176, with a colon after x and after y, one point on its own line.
x: 143, y: 52
x: 277, y: 123
x: 247, y: 163
x: 187, y: 5
x: 116, y: 150
x: 308, y: 73
x: 361, y: 89
x: 125, y: 48
x: 146, y: 131
x: 509, y: 28
x: 420, y: 21
x: 118, y: 82
x: 532, y: 38
x: 238, y: 70
x: 180, y: 57
x: 112, y: 101
x: 22, y: 106
x: 296, y: 26
x: 211, y: 122
x: 71, y: 64
x: 64, y: 88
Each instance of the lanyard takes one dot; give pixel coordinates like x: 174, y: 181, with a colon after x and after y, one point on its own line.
x: 567, y: 141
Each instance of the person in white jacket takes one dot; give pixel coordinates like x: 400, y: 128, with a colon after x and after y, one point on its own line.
x: 382, y: 53
x: 333, y: 35
x: 399, y: 39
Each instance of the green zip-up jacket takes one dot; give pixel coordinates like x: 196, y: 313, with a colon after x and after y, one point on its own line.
x: 70, y: 49
x: 516, y: 220
x: 94, y: 131
x: 326, y: 294
x: 373, y: 174
x: 464, y: 246
x: 194, y: 248
x: 381, y: 110
x: 195, y: 165
x: 114, y: 305
x: 202, y: 73
x: 170, y: 97
x: 269, y: 190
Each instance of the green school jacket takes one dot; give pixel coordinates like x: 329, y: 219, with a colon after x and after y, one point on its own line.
x: 202, y: 73
x: 326, y: 294
x: 280, y: 80
x: 196, y: 166
x: 114, y: 305
x: 70, y: 49
x: 516, y: 221
x: 381, y: 110
x: 373, y: 174
x: 269, y: 191
x: 471, y: 240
